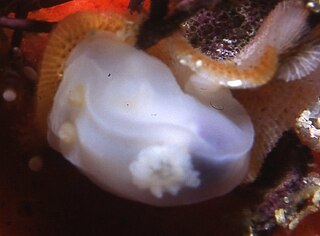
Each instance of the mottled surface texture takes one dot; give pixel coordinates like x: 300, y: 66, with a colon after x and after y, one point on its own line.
x: 223, y: 31
x: 288, y: 166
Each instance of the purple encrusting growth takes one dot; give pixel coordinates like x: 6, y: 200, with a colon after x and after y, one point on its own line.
x: 281, y: 177
x: 221, y: 32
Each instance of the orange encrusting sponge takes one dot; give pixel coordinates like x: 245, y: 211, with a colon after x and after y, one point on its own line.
x: 227, y: 73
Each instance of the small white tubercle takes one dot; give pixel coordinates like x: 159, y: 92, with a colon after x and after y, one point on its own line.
x: 164, y: 169
x: 121, y: 118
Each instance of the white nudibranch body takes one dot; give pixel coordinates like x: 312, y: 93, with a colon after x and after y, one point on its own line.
x: 121, y: 118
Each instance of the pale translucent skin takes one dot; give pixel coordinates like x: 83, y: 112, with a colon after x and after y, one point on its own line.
x: 121, y: 118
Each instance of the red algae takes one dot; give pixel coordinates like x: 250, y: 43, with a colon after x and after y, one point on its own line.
x: 57, y: 13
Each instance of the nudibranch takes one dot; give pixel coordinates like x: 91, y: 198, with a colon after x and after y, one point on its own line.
x: 161, y: 126
x: 120, y: 116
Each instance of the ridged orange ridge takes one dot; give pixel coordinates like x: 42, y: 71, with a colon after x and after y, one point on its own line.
x: 226, y: 72
x: 63, y: 39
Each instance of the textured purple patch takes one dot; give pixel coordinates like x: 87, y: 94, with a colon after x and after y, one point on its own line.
x: 221, y: 32
x: 281, y: 176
